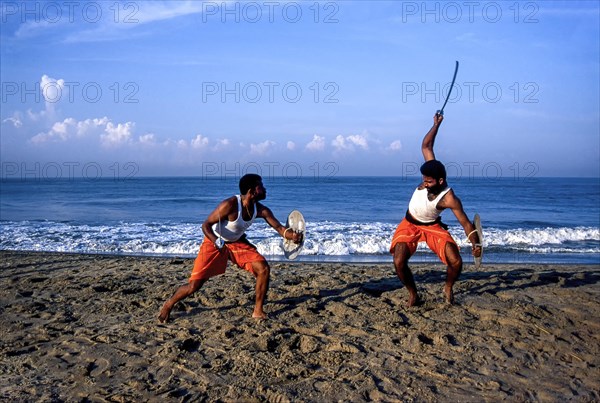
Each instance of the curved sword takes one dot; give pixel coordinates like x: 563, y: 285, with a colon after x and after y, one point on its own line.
x: 441, y: 111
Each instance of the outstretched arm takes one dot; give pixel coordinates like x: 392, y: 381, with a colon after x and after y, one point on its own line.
x: 429, y: 139
x: 451, y: 201
x: 267, y: 214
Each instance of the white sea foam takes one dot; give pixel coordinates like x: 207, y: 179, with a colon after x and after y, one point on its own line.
x: 322, y: 239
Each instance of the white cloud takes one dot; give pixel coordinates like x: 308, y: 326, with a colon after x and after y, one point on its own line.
x: 70, y: 128
x: 120, y: 26
x: 291, y: 145
x: 199, y: 142
x: 15, y: 120
x: 98, y: 21
x: 36, y: 116
x: 339, y: 143
x: 360, y: 141
x: 349, y: 143
x: 52, y: 89
x: 261, y: 148
x: 147, y: 139
x: 395, y: 146
x: 87, y: 126
x: 116, y: 135
x: 222, y: 144
x: 316, y: 144
x: 32, y: 28
x: 60, y: 129
x: 158, y: 11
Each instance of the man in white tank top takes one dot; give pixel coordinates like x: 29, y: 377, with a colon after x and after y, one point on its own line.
x: 225, y: 239
x: 422, y: 222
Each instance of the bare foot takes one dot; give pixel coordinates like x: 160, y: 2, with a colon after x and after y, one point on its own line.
x: 413, y: 300
x: 165, y: 312
x: 449, y: 294
x: 259, y: 315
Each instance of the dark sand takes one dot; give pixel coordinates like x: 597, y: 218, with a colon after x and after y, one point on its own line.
x: 84, y: 328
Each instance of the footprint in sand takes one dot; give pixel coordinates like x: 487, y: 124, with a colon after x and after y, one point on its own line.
x: 97, y: 367
x: 38, y: 279
x: 309, y: 344
x: 160, y: 376
x: 16, y: 353
x: 276, y: 397
x: 190, y: 345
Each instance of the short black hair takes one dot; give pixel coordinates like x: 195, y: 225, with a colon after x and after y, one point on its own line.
x: 434, y: 169
x: 249, y: 181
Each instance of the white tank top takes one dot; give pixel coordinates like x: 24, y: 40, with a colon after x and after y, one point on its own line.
x: 233, y: 230
x: 423, y: 209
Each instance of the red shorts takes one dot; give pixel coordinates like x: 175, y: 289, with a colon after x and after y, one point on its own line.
x: 435, y: 236
x: 212, y: 261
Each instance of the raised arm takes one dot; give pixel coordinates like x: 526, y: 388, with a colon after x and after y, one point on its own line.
x: 429, y: 139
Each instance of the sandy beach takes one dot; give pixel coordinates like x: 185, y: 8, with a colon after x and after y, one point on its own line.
x: 84, y: 328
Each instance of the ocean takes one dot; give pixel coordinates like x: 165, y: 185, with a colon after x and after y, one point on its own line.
x: 349, y: 219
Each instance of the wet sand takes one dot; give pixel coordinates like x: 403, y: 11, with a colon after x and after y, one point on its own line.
x: 84, y: 328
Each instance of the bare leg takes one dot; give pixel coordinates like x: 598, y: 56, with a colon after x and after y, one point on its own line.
x: 182, y: 292
x: 401, y: 256
x: 453, y: 272
x: 262, y: 273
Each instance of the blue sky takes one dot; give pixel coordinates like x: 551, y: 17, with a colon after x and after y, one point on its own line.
x: 298, y: 88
